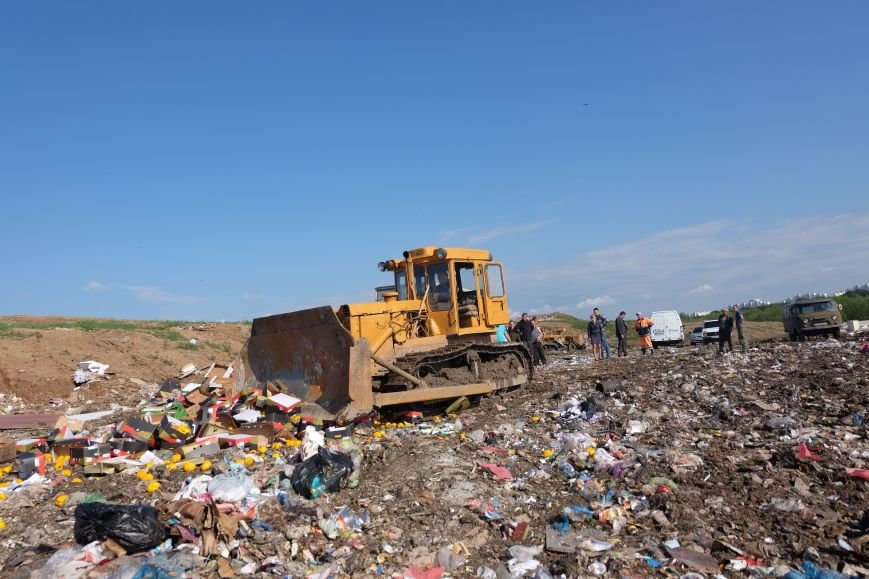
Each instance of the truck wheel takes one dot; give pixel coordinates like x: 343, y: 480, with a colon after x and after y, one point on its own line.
x: 792, y: 336
x: 836, y: 333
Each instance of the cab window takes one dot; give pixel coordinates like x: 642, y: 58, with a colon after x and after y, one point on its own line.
x: 494, y: 281
x: 466, y: 284
x: 401, y: 285
x: 419, y: 282
x: 440, y: 296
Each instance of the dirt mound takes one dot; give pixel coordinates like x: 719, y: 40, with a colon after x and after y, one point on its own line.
x: 39, y: 355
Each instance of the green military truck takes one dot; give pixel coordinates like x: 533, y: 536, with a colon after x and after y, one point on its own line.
x: 812, y: 317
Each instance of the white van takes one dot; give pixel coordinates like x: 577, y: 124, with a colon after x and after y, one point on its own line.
x: 668, y: 330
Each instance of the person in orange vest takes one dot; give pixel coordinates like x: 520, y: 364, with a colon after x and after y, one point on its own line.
x: 644, y: 330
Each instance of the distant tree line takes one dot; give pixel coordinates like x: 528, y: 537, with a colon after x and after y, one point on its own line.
x: 855, y: 306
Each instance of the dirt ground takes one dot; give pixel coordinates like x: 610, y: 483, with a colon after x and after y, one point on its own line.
x: 37, y: 365
x: 704, y: 450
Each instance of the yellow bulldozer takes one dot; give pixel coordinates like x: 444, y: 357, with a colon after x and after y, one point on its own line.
x: 434, y: 338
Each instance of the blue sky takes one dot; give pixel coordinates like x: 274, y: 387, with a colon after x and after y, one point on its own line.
x: 223, y: 161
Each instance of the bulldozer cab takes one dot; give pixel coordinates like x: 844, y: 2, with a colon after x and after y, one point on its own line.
x: 461, y: 289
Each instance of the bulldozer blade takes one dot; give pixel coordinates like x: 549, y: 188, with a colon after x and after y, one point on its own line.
x: 313, y: 356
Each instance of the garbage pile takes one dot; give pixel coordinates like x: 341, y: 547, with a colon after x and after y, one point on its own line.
x: 684, y: 464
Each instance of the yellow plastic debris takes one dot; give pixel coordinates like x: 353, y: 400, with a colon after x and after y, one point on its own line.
x: 153, y: 487
x: 189, y: 467
x: 2, y: 524
x: 144, y: 475
x: 61, y: 500
x: 548, y: 452
x: 248, y: 461
x: 3, y: 496
x: 66, y: 472
x: 77, y: 481
x: 206, y: 465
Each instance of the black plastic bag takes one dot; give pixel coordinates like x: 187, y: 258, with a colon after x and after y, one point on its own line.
x: 133, y: 527
x: 326, y: 471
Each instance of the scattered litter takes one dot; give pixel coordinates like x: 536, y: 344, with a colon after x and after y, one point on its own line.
x: 579, y: 472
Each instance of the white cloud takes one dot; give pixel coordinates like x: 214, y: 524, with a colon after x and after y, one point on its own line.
x: 95, y: 286
x: 158, y: 295
x: 702, y: 289
x: 595, y: 302
x: 472, y: 237
x: 747, y: 259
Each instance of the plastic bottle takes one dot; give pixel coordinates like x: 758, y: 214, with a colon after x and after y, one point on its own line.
x: 317, y: 487
x: 566, y: 468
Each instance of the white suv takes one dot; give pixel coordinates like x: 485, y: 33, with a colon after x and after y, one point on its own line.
x: 710, y: 331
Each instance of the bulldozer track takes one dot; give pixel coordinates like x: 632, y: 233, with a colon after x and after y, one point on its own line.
x: 464, y: 364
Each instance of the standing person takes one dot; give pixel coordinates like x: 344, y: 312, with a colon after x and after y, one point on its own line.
x: 524, y: 328
x: 594, y: 333
x: 511, y: 332
x: 537, y: 342
x: 643, y: 325
x: 725, y: 328
x: 604, y: 340
x: 622, y: 334
x: 739, y: 320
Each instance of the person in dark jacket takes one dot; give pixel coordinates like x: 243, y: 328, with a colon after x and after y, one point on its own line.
x: 622, y: 334
x: 595, y: 328
x: 524, y: 328
x: 725, y: 328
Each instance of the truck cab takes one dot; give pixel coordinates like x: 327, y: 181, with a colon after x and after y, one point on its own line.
x: 812, y: 317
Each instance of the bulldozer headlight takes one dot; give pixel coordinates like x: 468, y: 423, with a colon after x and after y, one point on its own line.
x: 440, y: 253
x: 381, y: 266
x: 834, y: 318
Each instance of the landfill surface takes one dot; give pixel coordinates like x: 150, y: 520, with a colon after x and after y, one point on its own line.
x: 682, y: 464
